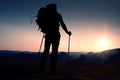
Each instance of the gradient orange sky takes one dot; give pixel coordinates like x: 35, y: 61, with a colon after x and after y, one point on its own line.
x: 91, y: 22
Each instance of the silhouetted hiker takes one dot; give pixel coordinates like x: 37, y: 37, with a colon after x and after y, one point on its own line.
x: 52, y: 36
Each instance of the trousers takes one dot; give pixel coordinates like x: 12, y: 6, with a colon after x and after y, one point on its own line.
x: 54, y: 41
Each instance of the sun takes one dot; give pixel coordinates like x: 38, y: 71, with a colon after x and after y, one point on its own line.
x: 102, y: 44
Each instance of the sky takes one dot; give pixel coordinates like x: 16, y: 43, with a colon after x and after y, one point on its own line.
x: 95, y: 24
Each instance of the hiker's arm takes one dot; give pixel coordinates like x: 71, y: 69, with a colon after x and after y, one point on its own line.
x: 63, y: 25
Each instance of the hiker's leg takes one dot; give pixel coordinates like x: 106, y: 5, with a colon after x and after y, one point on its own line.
x: 45, y: 54
x: 54, y: 55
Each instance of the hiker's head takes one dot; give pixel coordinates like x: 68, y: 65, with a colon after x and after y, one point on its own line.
x: 52, y: 7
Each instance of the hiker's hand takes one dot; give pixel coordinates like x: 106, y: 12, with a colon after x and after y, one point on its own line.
x: 69, y: 33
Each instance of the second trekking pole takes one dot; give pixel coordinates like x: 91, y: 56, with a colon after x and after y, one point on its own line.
x: 41, y: 43
x: 68, y: 53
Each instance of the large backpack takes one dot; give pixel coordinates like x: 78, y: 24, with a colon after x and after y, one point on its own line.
x: 41, y: 22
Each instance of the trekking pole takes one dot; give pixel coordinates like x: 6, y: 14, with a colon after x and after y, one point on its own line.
x: 41, y: 43
x: 68, y: 52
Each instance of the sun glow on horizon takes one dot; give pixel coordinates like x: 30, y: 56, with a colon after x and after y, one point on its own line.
x: 81, y: 40
x: 102, y: 44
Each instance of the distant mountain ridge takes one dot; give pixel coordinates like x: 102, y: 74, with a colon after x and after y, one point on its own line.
x: 105, y: 62
x: 72, y: 55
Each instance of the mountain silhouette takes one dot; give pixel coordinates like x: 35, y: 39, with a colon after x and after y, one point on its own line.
x: 94, y: 65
